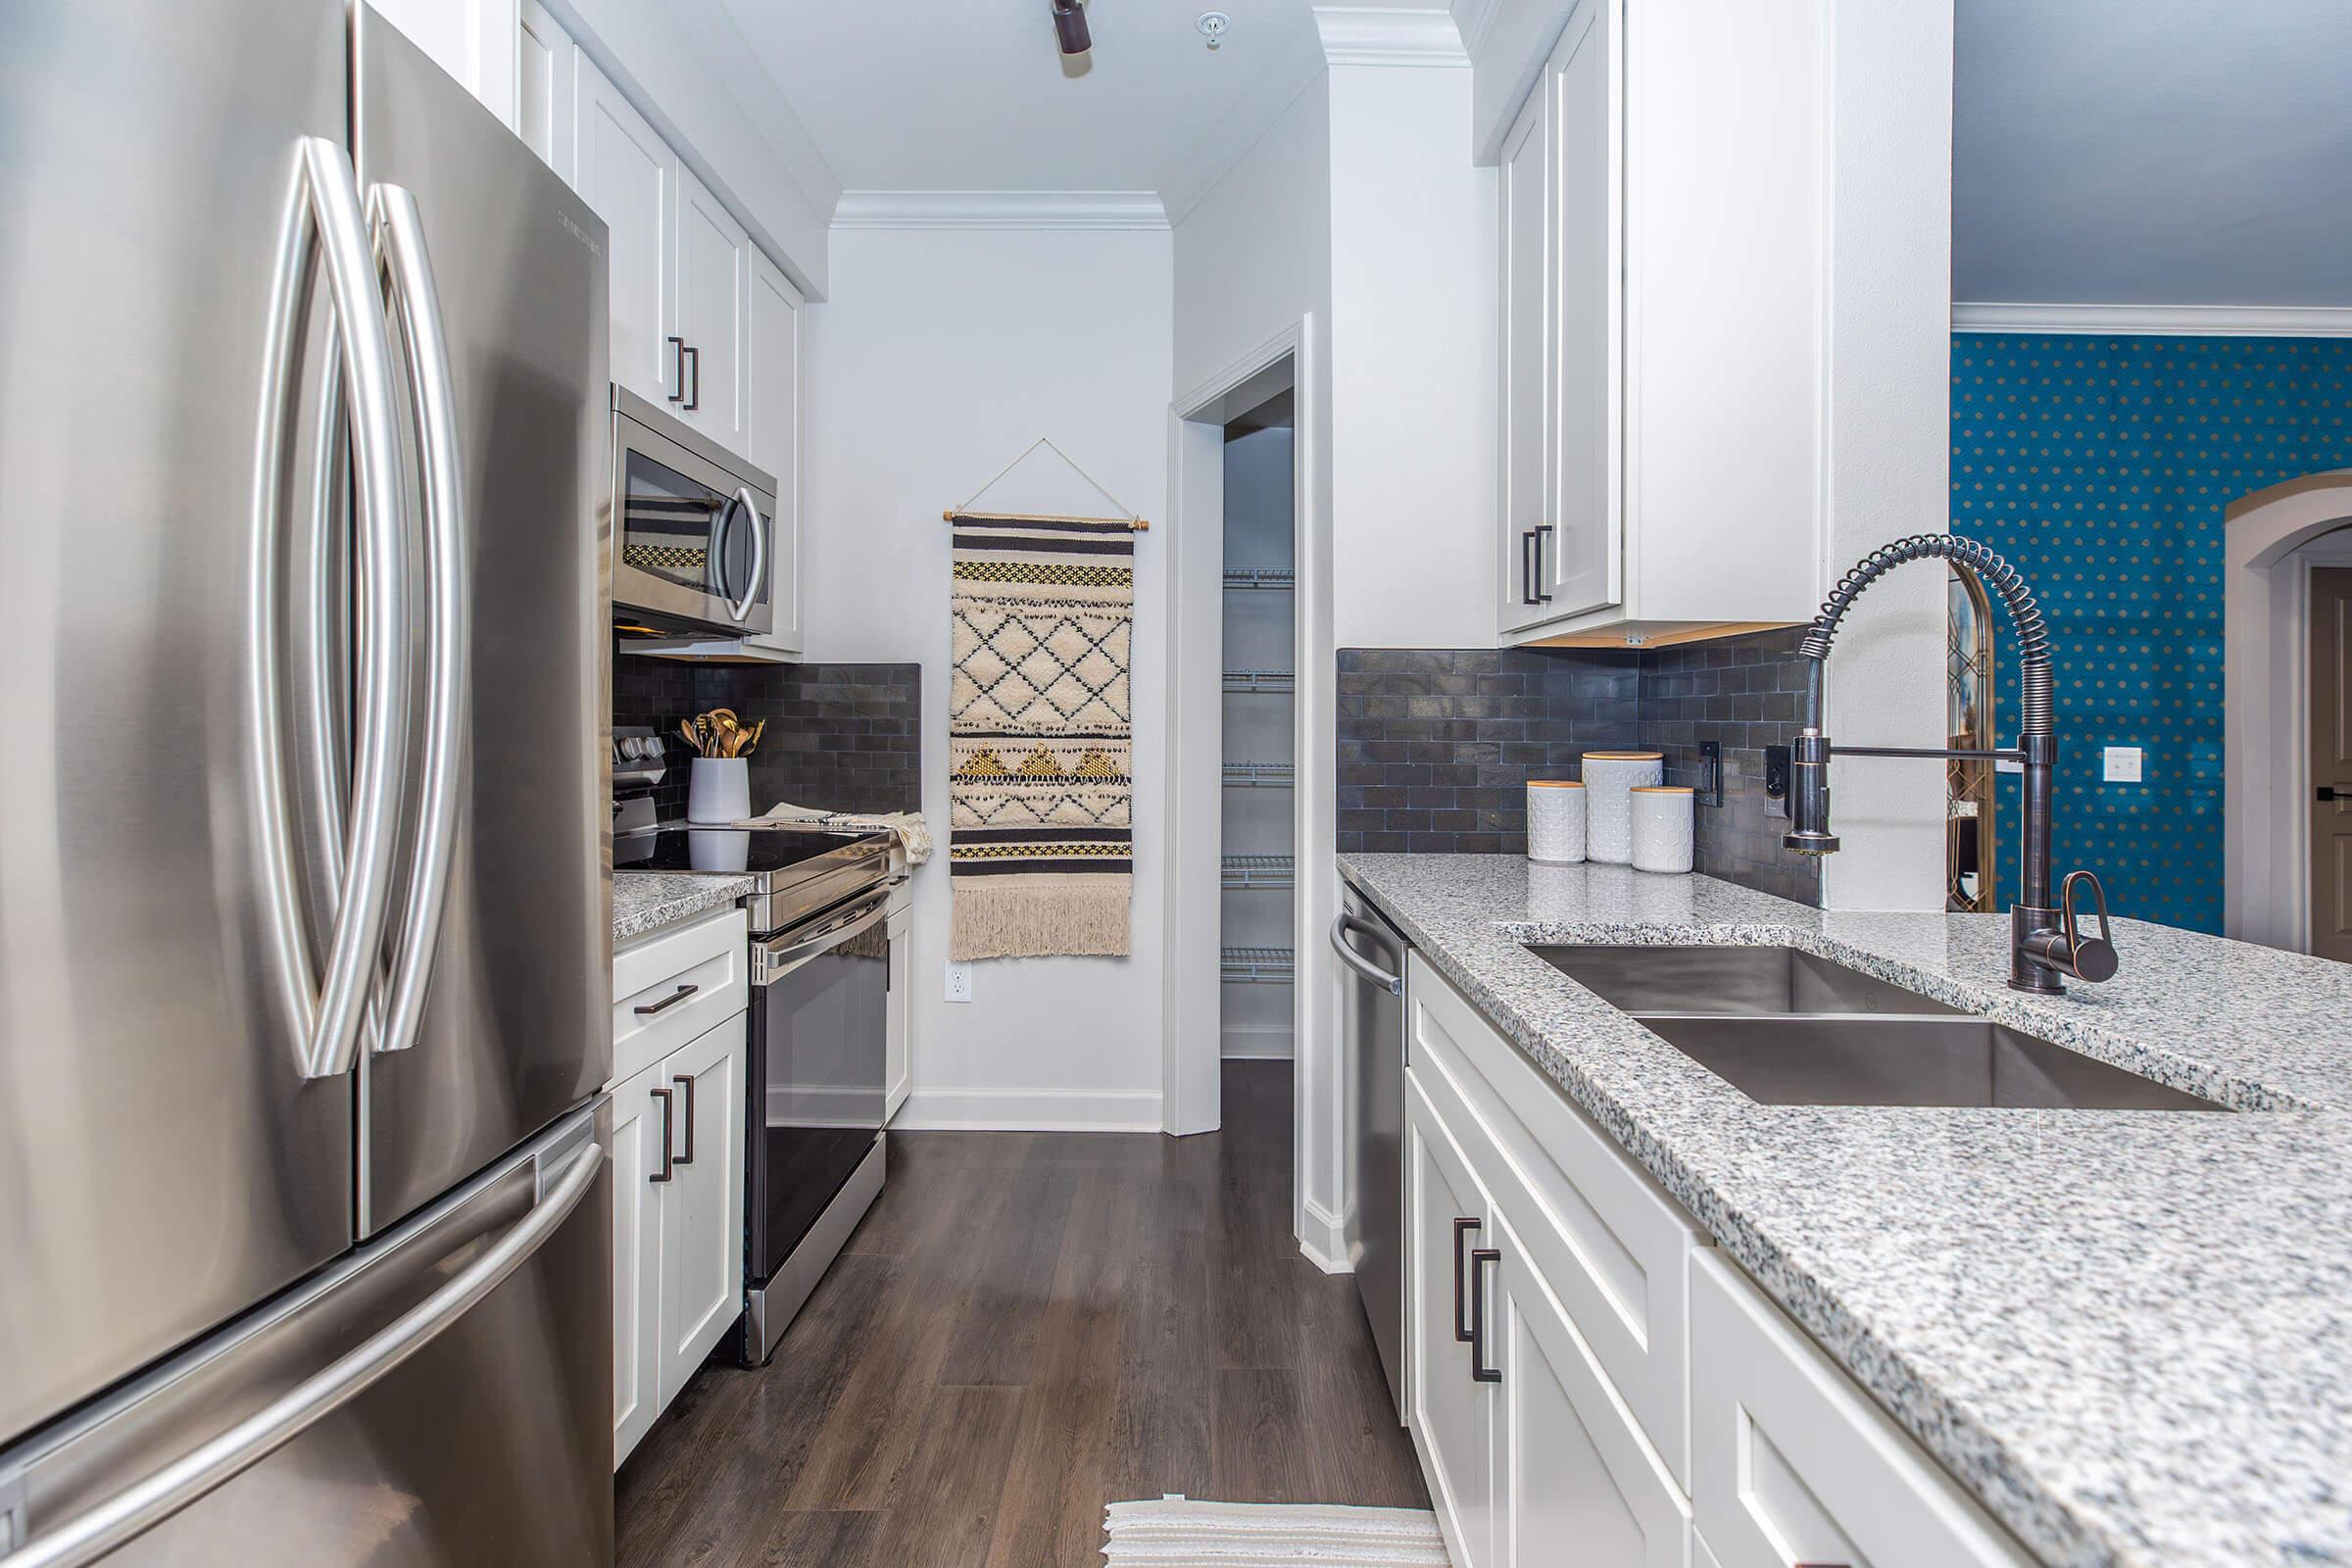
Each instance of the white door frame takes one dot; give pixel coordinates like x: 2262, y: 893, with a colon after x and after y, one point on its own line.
x: 2268, y: 553
x: 1190, y: 1054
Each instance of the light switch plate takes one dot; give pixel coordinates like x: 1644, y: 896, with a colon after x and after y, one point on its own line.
x: 959, y: 982
x: 2123, y: 764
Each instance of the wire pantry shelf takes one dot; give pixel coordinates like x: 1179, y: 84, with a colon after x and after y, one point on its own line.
x: 1257, y: 966
x: 1259, y: 680
x: 1259, y: 775
x: 1270, y: 580
x: 1259, y: 870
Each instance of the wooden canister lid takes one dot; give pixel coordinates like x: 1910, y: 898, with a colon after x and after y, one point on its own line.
x: 1660, y: 789
x: 1625, y: 757
x: 1556, y: 783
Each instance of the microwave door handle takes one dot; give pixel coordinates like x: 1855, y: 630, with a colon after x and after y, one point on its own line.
x: 719, y: 533
x: 759, y: 573
x: 416, y: 309
x: 128, y: 1514
x: 325, y: 1010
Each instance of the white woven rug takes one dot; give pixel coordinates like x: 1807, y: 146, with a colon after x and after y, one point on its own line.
x: 1176, y: 1533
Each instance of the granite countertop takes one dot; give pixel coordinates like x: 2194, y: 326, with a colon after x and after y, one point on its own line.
x: 2127, y: 1332
x: 644, y: 902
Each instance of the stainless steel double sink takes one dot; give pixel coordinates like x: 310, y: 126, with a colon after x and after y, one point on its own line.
x: 1789, y: 1028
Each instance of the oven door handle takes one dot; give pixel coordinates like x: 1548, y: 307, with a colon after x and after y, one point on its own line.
x: 775, y: 959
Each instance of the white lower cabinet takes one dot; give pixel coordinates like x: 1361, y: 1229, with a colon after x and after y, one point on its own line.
x: 677, y: 1222
x: 1451, y: 1413
x: 1576, y: 1481
x: 1794, y: 1463
x: 1575, y: 1351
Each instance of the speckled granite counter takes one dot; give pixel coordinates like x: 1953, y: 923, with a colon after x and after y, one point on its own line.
x: 644, y: 902
x: 2128, y: 1333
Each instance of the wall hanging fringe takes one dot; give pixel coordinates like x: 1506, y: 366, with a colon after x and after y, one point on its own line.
x: 1133, y: 520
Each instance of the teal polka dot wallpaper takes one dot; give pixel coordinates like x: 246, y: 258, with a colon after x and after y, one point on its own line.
x: 2100, y: 466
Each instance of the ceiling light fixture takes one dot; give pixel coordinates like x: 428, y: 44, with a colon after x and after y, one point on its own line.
x: 1069, y: 26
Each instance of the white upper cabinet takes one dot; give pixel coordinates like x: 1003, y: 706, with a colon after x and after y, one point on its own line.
x: 1662, y: 276
x: 713, y: 273
x: 543, y: 87
x: 773, y: 421
x: 630, y: 176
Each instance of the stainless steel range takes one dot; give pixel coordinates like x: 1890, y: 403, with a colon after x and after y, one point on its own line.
x: 819, y: 1032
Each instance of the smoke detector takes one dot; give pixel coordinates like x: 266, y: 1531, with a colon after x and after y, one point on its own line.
x: 1212, y: 26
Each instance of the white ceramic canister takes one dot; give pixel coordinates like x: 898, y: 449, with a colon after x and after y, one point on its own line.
x: 719, y: 788
x: 1662, y: 827
x: 1609, y: 776
x: 1555, y: 821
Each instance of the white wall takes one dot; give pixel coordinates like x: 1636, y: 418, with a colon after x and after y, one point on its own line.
x: 1887, y: 463
x: 940, y: 354
x: 1413, y: 347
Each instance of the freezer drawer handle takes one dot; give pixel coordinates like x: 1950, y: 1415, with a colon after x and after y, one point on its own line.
x: 132, y: 1513
x: 685, y: 1081
x: 1392, y: 984
x: 417, y: 299
x: 667, y: 1002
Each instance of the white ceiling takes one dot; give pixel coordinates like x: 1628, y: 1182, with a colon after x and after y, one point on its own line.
x: 971, y: 95
x: 2153, y: 152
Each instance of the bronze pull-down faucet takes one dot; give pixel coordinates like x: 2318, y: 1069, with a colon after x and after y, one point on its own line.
x: 2045, y: 939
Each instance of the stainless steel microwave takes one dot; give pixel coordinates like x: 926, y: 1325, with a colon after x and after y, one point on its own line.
x: 693, y: 525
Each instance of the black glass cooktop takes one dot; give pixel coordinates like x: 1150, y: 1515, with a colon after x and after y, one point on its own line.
x: 724, y: 849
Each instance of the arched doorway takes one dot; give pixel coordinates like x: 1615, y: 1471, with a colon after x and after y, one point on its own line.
x: 2273, y: 539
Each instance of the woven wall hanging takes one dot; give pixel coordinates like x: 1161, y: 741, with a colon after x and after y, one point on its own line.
x: 1040, y: 742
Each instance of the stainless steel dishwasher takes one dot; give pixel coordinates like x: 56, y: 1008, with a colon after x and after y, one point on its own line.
x: 1372, y: 1026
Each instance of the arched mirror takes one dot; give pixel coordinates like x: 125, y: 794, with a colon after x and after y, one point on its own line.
x: 1969, y: 816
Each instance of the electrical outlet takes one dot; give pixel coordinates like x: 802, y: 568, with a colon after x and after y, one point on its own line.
x: 2123, y: 764
x: 959, y: 982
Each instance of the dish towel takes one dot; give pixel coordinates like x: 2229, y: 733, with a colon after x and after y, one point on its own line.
x: 1039, y: 782
x: 913, y: 833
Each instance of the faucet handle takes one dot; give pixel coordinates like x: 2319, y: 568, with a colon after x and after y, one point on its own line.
x: 2085, y: 957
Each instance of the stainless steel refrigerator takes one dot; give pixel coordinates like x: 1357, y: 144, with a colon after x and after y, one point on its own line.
x: 305, y: 873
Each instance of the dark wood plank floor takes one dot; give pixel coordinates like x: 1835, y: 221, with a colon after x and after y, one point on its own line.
x: 1026, y: 1326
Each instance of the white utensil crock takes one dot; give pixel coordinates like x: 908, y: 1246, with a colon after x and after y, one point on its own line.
x: 1555, y: 821
x: 719, y: 788
x: 1609, y: 776
x: 1662, y: 827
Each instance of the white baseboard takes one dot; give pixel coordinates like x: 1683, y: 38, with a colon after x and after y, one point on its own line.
x: 1323, y: 1237
x: 1029, y: 1111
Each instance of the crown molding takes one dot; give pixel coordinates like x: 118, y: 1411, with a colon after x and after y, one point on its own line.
x: 1376, y: 35
x: 1475, y: 20
x: 2156, y: 320
x: 1118, y: 210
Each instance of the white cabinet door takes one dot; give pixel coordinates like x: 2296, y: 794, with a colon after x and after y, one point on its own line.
x: 1574, y: 1481
x: 772, y: 417
x: 901, y: 1026
x: 714, y: 272
x: 1583, y: 566
x: 1451, y: 1411
x: 702, y: 1219
x: 1523, y: 199
x: 638, y: 1128
x: 630, y: 175
x: 543, y: 87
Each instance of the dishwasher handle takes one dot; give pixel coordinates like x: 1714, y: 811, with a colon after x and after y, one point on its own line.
x: 1341, y: 925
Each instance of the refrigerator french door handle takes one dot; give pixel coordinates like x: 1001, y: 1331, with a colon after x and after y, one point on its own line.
x: 759, y: 573
x: 128, y: 1514
x: 326, y: 1010
x: 399, y: 230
